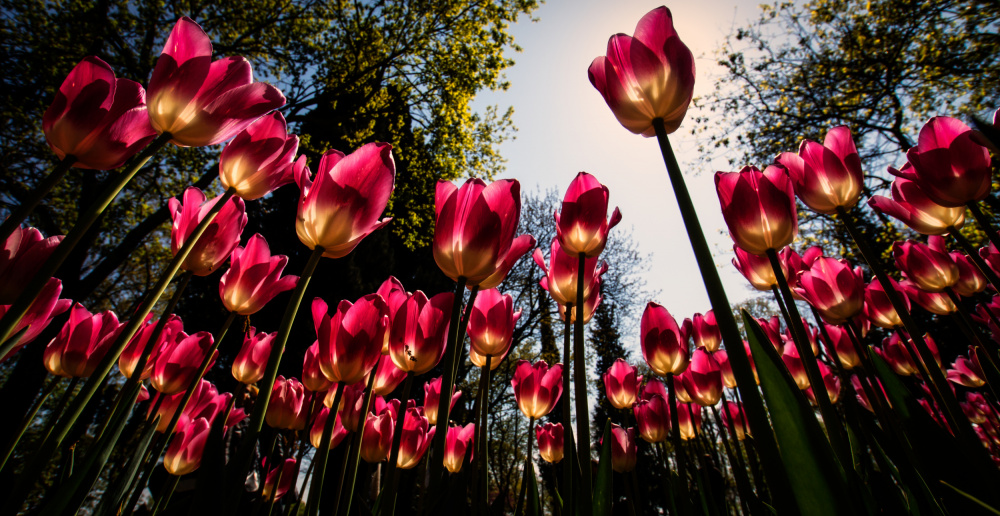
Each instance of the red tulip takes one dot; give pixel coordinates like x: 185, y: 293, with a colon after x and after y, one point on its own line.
x: 288, y: 471
x: 830, y: 382
x: 387, y: 378
x: 590, y: 305
x: 82, y: 343
x: 220, y: 238
x: 912, y: 206
x: 342, y: 204
x: 395, y: 296
x: 254, y: 277
x: 703, y: 379
x: 928, y: 266
x: 971, y: 280
x: 728, y: 378
x: 561, y: 275
x: 663, y: 348
x: 550, y: 442
x: 417, y: 339
x: 23, y: 253
x: 948, y: 164
x: 518, y: 247
x: 826, y: 176
x: 491, y: 324
x: 248, y: 367
x: 133, y: 350
x: 260, y: 159
x: 205, y: 402
x: 844, y: 346
x: 432, y: 397
x: 646, y: 77
x: 689, y: 420
x: 416, y: 438
x: 179, y: 363
x: 621, y: 384
x: 652, y: 416
x: 967, y: 371
x: 474, y: 227
x: 184, y: 453
x: 878, y: 309
x: 316, y: 432
x: 312, y: 377
x: 733, y: 417
x: 759, y: 208
x: 352, y: 403
x: 837, y: 292
x: 537, y: 387
x: 623, y: 449
x: 201, y: 102
x: 937, y: 303
x: 757, y: 269
x: 96, y: 118
x: 582, y: 224
x: 377, y: 437
x: 705, y: 331
x: 289, y: 405
x: 790, y: 356
x: 458, y: 440
x: 350, y: 342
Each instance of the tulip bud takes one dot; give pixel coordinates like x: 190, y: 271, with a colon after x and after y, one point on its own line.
x: 377, y: 437
x: 458, y: 440
x: 288, y: 408
x: 536, y: 387
x: 662, y: 345
x: 652, y: 416
x: 550, y: 442
x: 827, y: 176
x: 254, y: 277
x: 420, y: 331
x: 582, y: 225
x: 915, y: 209
x: 220, y: 238
x: 621, y: 384
x: 184, y: 453
x: 416, y: 438
x: 759, y: 208
x: 248, y: 367
x: 491, y: 323
x: 177, y: 365
x: 260, y: 159
x: 623, y: 449
x: 82, y: 343
x: 432, y: 397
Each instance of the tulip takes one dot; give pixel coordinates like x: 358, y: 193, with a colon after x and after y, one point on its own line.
x: 177, y: 365
x: 312, y: 377
x: 680, y: 390
x: 753, y: 365
x: 833, y: 289
x: 830, y: 382
x: 387, y: 376
x: 351, y: 404
x: 901, y: 356
x: 518, y: 247
x: 689, y: 420
x: 537, y: 387
x: 912, y: 206
x: 316, y: 432
x: 878, y: 308
x: 135, y: 347
x: 728, y: 378
x: 652, y: 416
x: 260, y: 159
x: 772, y: 328
x: 703, y: 379
x: 652, y: 386
x: 205, y: 402
x: 662, y: 346
x: 620, y: 384
x: 432, y: 397
x: 254, y: 277
x: 343, y: 203
x: 97, y: 119
x: 248, y: 367
x: 705, y: 331
x: 491, y: 323
x: 82, y: 343
x: 811, y: 334
x: 971, y: 280
x: 790, y: 356
x: 937, y: 303
x: 419, y: 331
x: 38, y: 316
x: 843, y: 346
x: 948, y: 165
x: 861, y: 394
x: 377, y: 437
x: 284, y: 475
x: 759, y: 208
x: 967, y: 371
x: 582, y: 224
x: 395, y: 296
x: 184, y: 453
x: 550, y: 441
x: 474, y: 227
x: 416, y: 438
x: 590, y: 305
x: 734, y: 418
x: 991, y: 256
x: 23, y: 253
x: 457, y: 441
x: 220, y: 238
x: 289, y: 407
x: 928, y: 266
x: 350, y: 341
x: 646, y: 77
x: 561, y: 275
x: 828, y: 176
x: 623, y: 449
x: 200, y: 102
x: 757, y: 269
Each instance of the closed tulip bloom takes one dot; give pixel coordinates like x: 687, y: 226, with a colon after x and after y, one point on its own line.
x: 836, y: 291
x: 948, y: 164
x: 828, y: 176
x: 458, y: 440
x: 432, y: 398
x: 491, y: 323
x: 537, y: 387
x: 757, y: 269
x: 793, y: 362
x: 312, y: 377
x: 416, y: 438
x: 41, y: 312
x: 254, y: 277
x: 652, y: 386
x: 561, y: 273
x: 260, y: 159
x: 96, y: 118
x: 680, y: 389
x: 772, y: 328
x: 590, y: 305
x: 179, y: 363
x: 480, y: 360
x: 759, y: 208
x: 689, y: 420
x: 283, y: 474
x: 648, y: 76
x: 82, y: 343
x: 929, y: 265
x: 900, y: 356
x: 129, y: 358
x: 915, y: 209
x: 350, y: 340
x: 377, y: 437
x: 728, y: 378
x: 316, y: 432
x: 220, y: 238
x: 811, y: 334
x: 518, y: 248
x: 582, y: 224
x: 352, y: 403
x: 663, y: 348
x: 971, y: 280
x: 703, y: 379
x: 184, y: 453
x: 203, y: 102
x: 705, y: 332
x: 474, y: 227
x: 23, y: 253
x: 937, y: 303
x: 248, y: 367
x: 387, y: 378
x: 419, y: 332
x: 844, y: 347
x: 878, y: 309
x: 967, y: 372
x: 202, y: 402
x: 288, y: 408
x: 550, y: 442
x: 652, y: 416
x: 732, y: 416
x: 395, y: 296
x: 621, y: 384
x: 343, y: 203
x: 623, y: 449
x: 830, y: 382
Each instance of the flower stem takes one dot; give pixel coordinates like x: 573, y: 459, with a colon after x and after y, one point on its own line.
x: 569, y: 487
x: 984, y: 223
x: 460, y: 352
x: 389, y: 506
x: 447, y: 384
x: 482, y: 439
x: 976, y: 259
x: 322, y: 454
x: 354, y: 454
x: 528, y: 463
x: 580, y: 391
x: 675, y: 440
x: 17, y: 215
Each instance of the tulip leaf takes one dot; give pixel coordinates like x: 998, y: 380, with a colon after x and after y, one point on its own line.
x: 603, y: 485
x: 975, y: 500
x: 815, y: 476
x: 534, y: 507
x: 113, y: 497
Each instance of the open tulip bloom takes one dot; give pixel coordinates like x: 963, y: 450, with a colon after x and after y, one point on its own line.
x: 582, y: 224
x: 254, y: 277
x: 260, y: 159
x: 537, y: 387
x: 827, y: 176
x: 491, y: 324
x: 914, y: 208
x: 759, y: 208
x: 350, y: 339
x: 220, y: 238
x: 948, y: 164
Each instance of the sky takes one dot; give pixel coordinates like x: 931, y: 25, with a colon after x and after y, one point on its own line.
x: 564, y: 126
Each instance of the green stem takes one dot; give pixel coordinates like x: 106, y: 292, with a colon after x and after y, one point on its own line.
x: 389, y: 505
x: 976, y: 259
x: 675, y: 439
x: 53, y: 383
x: 447, y: 384
x: 528, y: 463
x: 482, y: 439
x: 354, y: 455
x: 580, y: 390
x: 17, y: 215
x: 460, y: 352
x: 984, y: 223
x: 569, y: 487
x: 323, y: 453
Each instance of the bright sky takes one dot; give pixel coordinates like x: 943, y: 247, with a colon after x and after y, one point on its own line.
x: 564, y: 126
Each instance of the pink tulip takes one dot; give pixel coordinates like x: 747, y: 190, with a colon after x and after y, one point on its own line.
x: 844, y: 346
x: 419, y: 332
x: 680, y: 389
x: 798, y: 263
x: 395, y: 296
x: 790, y: 356
x: 901, y: 356
x: 456, y: 443
x: 590, y: 305
x: 254, y: 277
x: 179, y: 363
x: 432, y: 398
x: 260, y: 159
x: 652, y: 416
x: 289, y: 405
x: 623, y: 449
x: 689, y: 420
x: 991, y: 256
x: 928, y: 266
x: 220, y: 238
x: 937, y: 303
x: 377, y: 437
x: 703, y: 379
x: 561, y: 274
x: 582, y: 224
x: 203, y: 403
x: 343, y: 203
x: 836, y: 291
x: 184, y: 453
x: 23, y: 253
x: 312, y: 377
x: 705, y: 331
x: 288, y: 471
x: 491, y: 323
x: 129, y: 358
x: 480, y: 360
x: 316, y: 432
x: 826, y: 176
x: 621, y: 384
x: 248, y: 367
x: 757, y: 269
x: 830, y: 382
x: 201, y: 102
x: 772, y: 328
x: 82, y: 343
x: 652, y: 386
x: 96, y: 118
x: 387, y: 378
x: 733, y: 416
x: 948, y: 164
x: 971, y: 280
x: 537, y: 387
x: 350, y: 341
x: 663, y: 347
x: 518, y: 247
x: 474, y: 228
x: 550, y: 442
x: 967, y: 371
x: 728, y: 378
x: 416, y: 438
x: 646, y: 77
x: 915, y: 209
x: 352, y: 403
x: 811, y: 335
x: 759, y: 208
x: 878, y: 308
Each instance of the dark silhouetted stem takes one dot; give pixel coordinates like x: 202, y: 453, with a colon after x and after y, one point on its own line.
x: 580, y: 391
x: 447, y: 384
x: 354, y: 455
x: 675, y: 439
x: 322, y: 454
x: 569, y: 487
x: 389, y: 505
x: 29, y: 418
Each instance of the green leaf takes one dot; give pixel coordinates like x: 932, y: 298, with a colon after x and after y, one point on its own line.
x: 113, y: 497
x: 973, y: 499
x: 603, y: 485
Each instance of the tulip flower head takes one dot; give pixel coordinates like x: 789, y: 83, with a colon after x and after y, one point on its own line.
x: 432, y: 397
x: 200, y: 102
x: 646, y: 77
x: 703, y: 379
x: 843, y: 346
x: 689, y: 420
x: 316, y: 432
x: 377, y: 437
x: 663, y: 347
x: 652, y: 416
x: 254, y: 277
x: 352, y: 403
x: 561, y: 274
x: 967, y: 371
x: 41, y: 312
x: 734, y: 418
x: 759, y: 208
x: 757, y: 269
x: 220, y: 238
x: 836, y: 291
x: 650, y: 386
x: 582, y: 225
x: 971, y: 280
x: 937, y: 303
x: 419, y: 332
x: 793, y: 362
x: 728, y: 378
x: 537, y: 387
x: 550, y: 442
x: 395, y: 296
x: 991, y: 256
x: 289, y: 405
x: 929, y: 265
x: 878, y: 308
x: 621, y: 383
x: 205, y: 402
x: 82, y: 343
x: 312, y: 377
x: 491, y: 323
x: 260, y: 159
x: 248, y: 367
x: 915, y: 209
x: 417, y: 437
x: 23, y: 253
x: 178, y: 364
x: 827, y: 176
x: 387, y: 376
x: 456, y: 443
x: 948, y: 164
x: 284, y: 475
x: 342, y: 204
x: 350, y: 339
x: 184, y: 453
x: 830, y: 382
x: 129, y: 358
x: 623, y: 449
x: 704, y: 331
x: 590, y: 305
